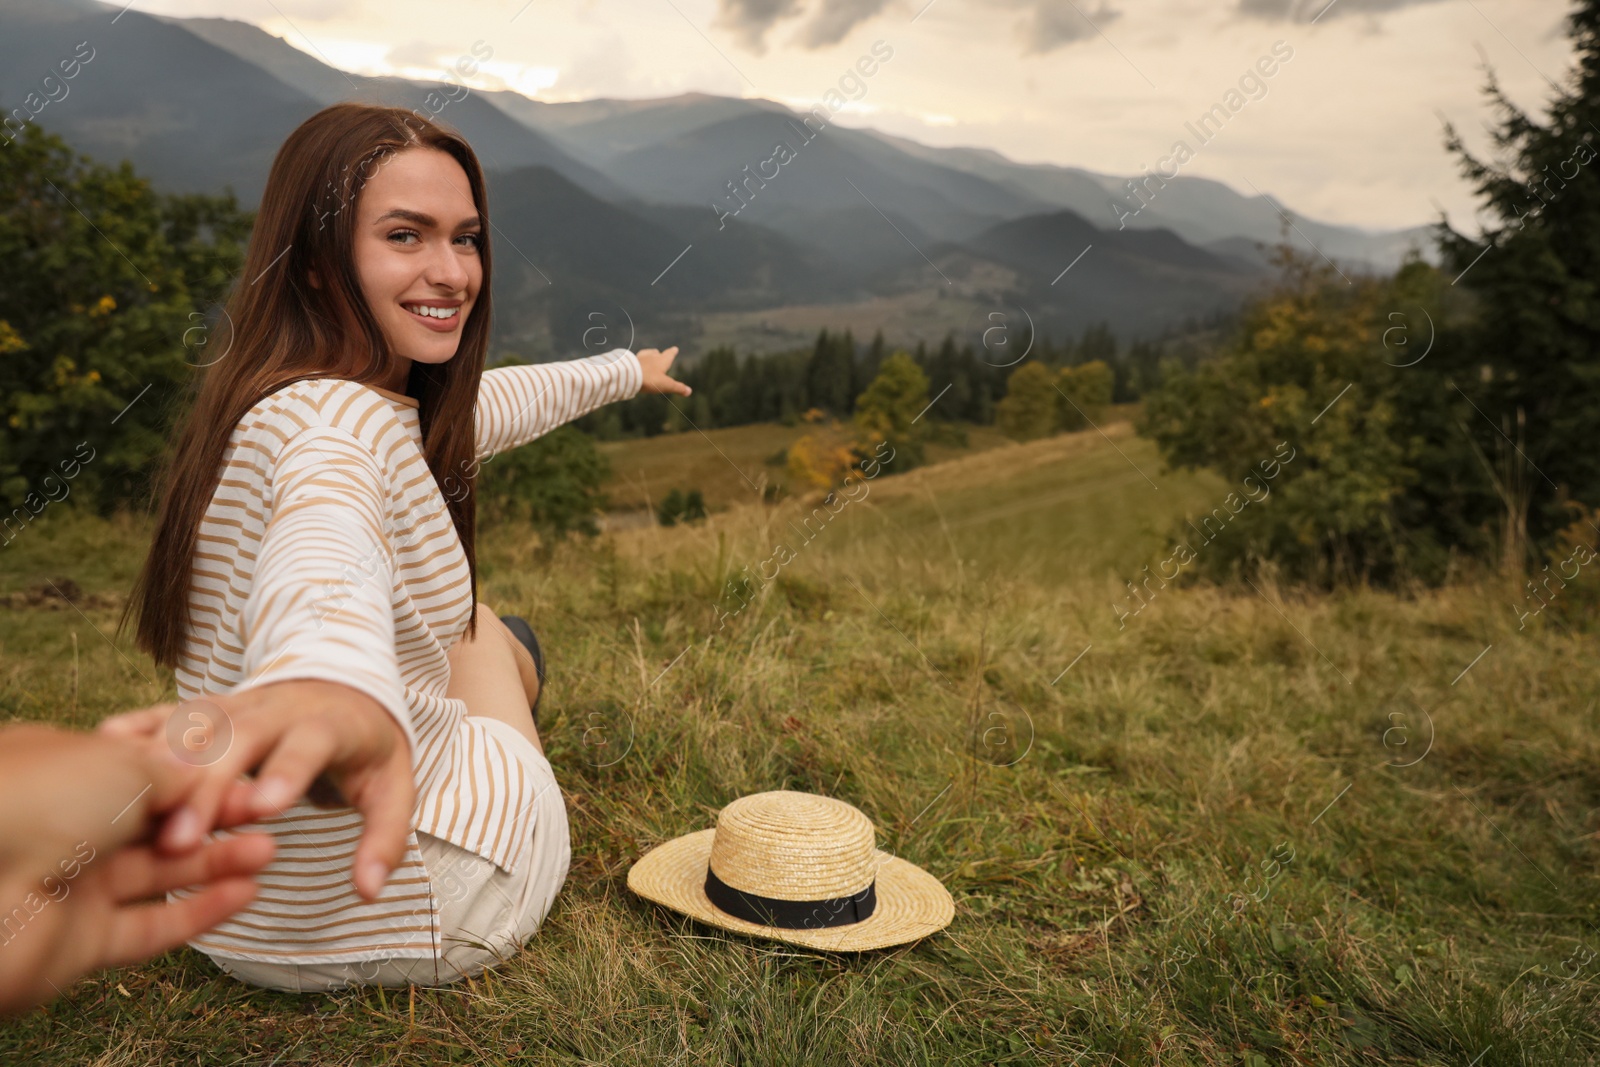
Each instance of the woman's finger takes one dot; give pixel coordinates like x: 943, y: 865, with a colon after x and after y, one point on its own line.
x: 385, y: 799
x: 253, y: 737
x: 302, y: 754
x: 238, y: 805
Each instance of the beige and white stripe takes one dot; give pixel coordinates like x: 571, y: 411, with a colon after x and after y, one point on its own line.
x: 328, y: 552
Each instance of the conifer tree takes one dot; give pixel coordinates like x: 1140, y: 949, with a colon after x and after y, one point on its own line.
x: 1535, y: 349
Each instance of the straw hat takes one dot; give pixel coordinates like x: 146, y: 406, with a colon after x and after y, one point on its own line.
x: 796, y: 867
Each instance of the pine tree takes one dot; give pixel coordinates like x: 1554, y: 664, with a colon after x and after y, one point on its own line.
x: 1535, y: 373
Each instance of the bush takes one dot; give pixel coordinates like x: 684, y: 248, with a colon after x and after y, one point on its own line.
x: 890, y: 408
x: 553, y: 482
x: 105, y: 287
x: 1029, y: 409
x: 679, y: 506
x: 820, y: 460
x: 1084, y: 392
x: 1380, y: 481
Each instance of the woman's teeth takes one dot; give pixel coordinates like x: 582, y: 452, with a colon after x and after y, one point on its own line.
x: 431, y: 312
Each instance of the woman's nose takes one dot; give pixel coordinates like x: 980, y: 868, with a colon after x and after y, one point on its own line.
x: 446, y: 267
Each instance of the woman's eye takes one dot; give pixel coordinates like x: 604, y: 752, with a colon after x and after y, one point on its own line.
x: 403, y: 234
x: 475, y: 239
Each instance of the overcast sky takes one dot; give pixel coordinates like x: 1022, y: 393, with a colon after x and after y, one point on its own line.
x: 1348, y: 130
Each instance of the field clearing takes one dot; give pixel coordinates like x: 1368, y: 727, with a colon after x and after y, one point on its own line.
x: 905, y: 318
x: 1193, y: 837
x: 729, y: 466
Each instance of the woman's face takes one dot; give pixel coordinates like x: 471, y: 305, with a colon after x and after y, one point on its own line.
x: 416, y: 255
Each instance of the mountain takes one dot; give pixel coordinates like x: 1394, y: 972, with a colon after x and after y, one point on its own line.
x: 501, y: 142
x: 1199, y: 210
x: 563, y: 257
x: 189, y: 115
x: 831, y: 194
x: 600, y: 132
x: 1069, y: 271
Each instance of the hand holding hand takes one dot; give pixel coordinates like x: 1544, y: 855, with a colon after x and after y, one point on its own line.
x: 295, y: 734
x: 655, y: 365
x: 70, y: 870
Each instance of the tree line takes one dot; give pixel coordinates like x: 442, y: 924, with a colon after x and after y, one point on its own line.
x: 968, y: 383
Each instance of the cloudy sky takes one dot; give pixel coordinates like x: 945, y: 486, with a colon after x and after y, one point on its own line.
x: 1347, y: 130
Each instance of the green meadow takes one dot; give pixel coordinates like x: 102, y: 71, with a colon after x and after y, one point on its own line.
x: 1247, y: 825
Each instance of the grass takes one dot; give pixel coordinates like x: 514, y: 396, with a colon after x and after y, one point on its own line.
x: 728, y: 466
x: 1188, y: 844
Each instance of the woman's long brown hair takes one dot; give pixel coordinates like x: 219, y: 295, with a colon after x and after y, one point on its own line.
x: 284, y: 330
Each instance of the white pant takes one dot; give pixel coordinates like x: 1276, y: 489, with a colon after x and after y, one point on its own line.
x: 485, y: 914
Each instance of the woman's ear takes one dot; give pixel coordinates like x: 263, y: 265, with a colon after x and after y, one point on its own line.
x: 312, y: 276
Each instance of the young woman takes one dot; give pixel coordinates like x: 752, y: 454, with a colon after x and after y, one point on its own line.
x: 312, y: 578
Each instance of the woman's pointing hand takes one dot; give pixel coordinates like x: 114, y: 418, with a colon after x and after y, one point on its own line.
x: 655, y: 365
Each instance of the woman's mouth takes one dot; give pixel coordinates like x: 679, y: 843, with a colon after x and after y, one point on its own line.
x: 440, y: 319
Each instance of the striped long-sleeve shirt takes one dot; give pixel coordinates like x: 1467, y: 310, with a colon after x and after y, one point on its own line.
x: 327, y: 552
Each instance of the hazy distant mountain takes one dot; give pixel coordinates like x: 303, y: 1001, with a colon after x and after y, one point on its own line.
x: 500, y: 141
x: 831, y: 195
x: 562, y: 256
x: 1068, y: 271
x: 189, y: 115
x: 1199, y: 210
x: 600, y: 132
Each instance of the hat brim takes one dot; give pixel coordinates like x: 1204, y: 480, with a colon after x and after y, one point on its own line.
x: 911, y: 902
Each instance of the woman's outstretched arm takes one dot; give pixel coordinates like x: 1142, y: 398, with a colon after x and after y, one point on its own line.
x: 517, y: 404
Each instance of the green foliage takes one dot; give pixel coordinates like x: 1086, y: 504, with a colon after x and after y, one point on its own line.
x: 553, y: 483
x: 889, y: 409
x: 1537, y: 369
x: 1040, y: 401
x: 1307, y: 376
x: 1083, y: 393
x: 104, y: 285
x: 1028, y: 411
x: 730, y: 390
x: 679, y: 506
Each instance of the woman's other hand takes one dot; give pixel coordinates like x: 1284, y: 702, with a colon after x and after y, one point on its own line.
x: 655, y: 365
x: 295, y: 734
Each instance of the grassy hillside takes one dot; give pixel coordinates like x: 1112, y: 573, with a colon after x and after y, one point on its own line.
x: 727, y: 465
x: 1196, y: 838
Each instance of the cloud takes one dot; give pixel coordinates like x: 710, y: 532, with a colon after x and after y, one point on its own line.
x: 749, y: 20
x: 1049, y: 24
x: 1307, y: 10
x: 837, y: 18
x: 414, y: 54
x: 1058, y: 23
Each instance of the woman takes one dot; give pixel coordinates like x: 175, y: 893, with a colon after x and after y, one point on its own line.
x: 312, y: 578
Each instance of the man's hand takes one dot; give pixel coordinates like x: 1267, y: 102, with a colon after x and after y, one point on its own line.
x: 655, y: 365
x: 296, y: 734
x: 71, y: 878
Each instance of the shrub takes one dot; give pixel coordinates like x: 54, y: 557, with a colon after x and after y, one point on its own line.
x: 105, y: 287
x: 1083, y: 393
x: 553, y: 482
x: 890, y: 408
x: 1028, y: 410
x: 679, y: 506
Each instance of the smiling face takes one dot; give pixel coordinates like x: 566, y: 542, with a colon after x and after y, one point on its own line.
x: 416, y: 256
